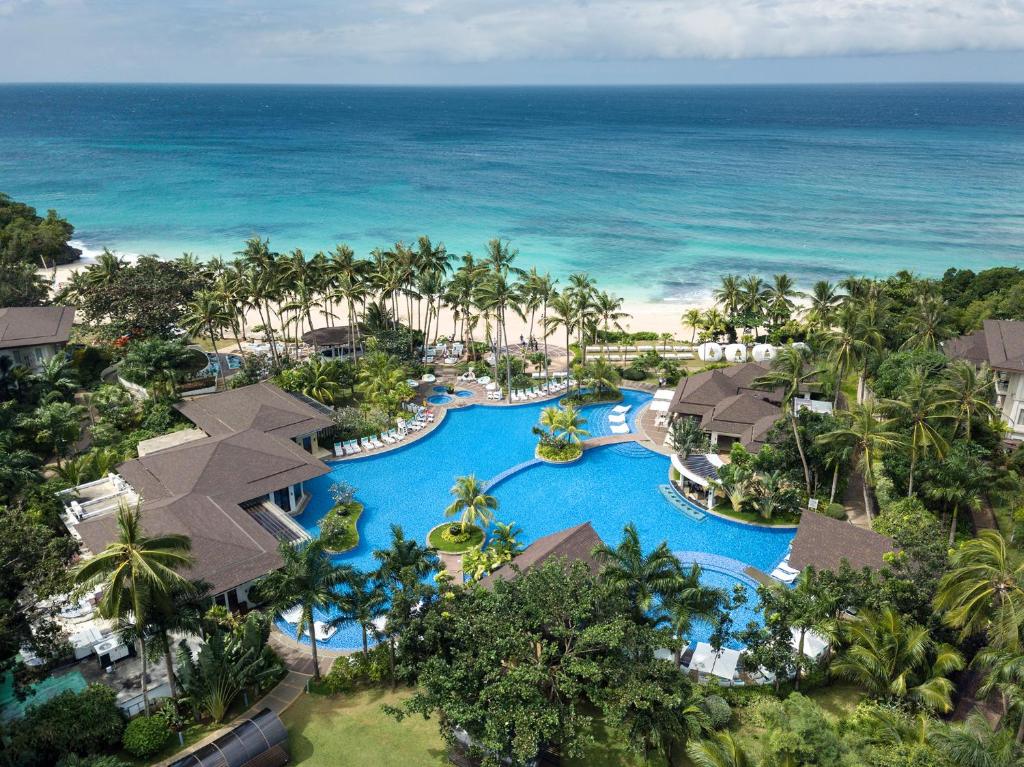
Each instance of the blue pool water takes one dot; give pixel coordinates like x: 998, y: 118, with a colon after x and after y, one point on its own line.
x: 441, y: 389
x: 463, y: 393
x: 439, y: 399
x: 234, y: 363
x: 610, y: 487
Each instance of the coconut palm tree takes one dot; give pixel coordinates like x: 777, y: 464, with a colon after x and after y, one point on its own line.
x: 56, y: 426
x: 17, y: 466
x: 983, y: 591
x: 562, y: 313
x: 824, y: 303
x: 472, y: 505
x: 869, y: 434
x: 570, y: 425
x: 728, y: 295
x: 895, y: 659
x: 362, y: 602
x: 642, y: 577
x: 405, y: 562
x: 692, y: 318
x: 206, y: 313
x: 686, y: 601
x: 720, y: 750
x: 688, y: 437
x: 308, y: 579
x: 1003, y: 674
x: 133, y: 569
x: 778, y: 299
x: 967, y: 393
x: 928, y: 324
x: 977, y: 744
x: 317, y: 378
x: 919, y: 408
x: 790, y: 373
x: 609, y: 308
x: 57, y: 378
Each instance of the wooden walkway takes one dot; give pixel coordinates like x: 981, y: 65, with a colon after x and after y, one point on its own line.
x: 611, y: 439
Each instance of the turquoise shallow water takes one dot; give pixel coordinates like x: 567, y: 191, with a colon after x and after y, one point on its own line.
x: 610, y: 487
x: 654, y: 191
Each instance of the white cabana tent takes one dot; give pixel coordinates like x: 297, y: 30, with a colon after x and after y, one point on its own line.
x: 709, y: 352
x: 763, y: 352
x: 815, y: 644
x: 735, y: 353
x: 721, y: 664
x: 664, y: 394
x: 659, y: 406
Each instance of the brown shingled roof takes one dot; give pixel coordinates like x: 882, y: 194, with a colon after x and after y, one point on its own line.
x: 736, y: 414
x: 1000, y: 343
x: 823, y: 542
x: 572, y: 544
x: 697, y: 394
x: 263, y: 407
x: 35, y: 325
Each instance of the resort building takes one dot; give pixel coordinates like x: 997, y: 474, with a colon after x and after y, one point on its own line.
x: 32, y: 335
x: 573, y: 544
x: 231, y: 485
x: 730, y: 409
x: 333, y: 342
x: 1000, y: 344
x: 824, y: 543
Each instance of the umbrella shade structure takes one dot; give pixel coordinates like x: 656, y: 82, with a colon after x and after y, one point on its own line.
x: 721, y: 664
x: 709, y: 352
x: 261, y: 741
x: 664, y: 394
x: 659, y: 406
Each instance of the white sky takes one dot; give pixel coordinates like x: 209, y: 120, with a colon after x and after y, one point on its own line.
x: 510, y: 41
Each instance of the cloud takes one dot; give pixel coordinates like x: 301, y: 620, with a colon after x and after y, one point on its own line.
x: 466, y: 31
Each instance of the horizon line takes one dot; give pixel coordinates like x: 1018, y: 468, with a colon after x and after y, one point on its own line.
x: 696, y: 84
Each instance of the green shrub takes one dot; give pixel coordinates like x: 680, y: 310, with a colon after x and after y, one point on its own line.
x: 350, y: 672
x: 718, y: 710
x: 568, y: 452
x: 634, y: 374
x: 339, y: 529
x: 145, y: 736
x: 74, y: 760
x: 834, y: 510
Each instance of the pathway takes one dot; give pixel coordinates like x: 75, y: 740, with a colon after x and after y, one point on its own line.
x: 612, y: 439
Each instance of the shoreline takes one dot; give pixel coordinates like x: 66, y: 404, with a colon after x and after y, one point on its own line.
x: 650, y: 316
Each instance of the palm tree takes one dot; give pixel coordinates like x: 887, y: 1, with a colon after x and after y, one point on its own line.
x: 774, y: 493
x: 919, y: 407
x: 17, y: 466
x: 721, y: 750
x: 846, y: 346
x: 570, y: 425
x: 896, y: 659
x: 686, y: 601
x: 57, y: 378
x: 729, y: 295
x: 959, y: 482
x: 641, y: 577
x: 317, y: 378
x: 928, y: 324
x: 307, y: 579
x: 688, y: 437
x: 779, y: 299
x: 609, y: 309
x: 382, y: 382
x: 206, y: 312
x: 405, y: 562
x: 363, y: 602
x: 499, y: 295
x: 983, y: 591
x: 692, y: 317
x: 133, y: 567
x: 824, y: 302
x: 57, y: 426
x: 967, y: 393
x: 789, y: 371
x: 977, y: 744
x: 869, y: 434
x: 472, y: 503
x: 562, y: 313
x: 1003, y: 673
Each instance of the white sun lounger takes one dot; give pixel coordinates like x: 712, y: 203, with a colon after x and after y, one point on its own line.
x: 782, y: 575
x: 388, y: 438
x: 616, y: 419
x: 339, y: 449
x: 621, y: 409
x: 368, y: 444
x: 620, y: 428
x: 324, y: 631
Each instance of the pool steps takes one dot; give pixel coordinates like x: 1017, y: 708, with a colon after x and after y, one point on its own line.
x: 673, y: 497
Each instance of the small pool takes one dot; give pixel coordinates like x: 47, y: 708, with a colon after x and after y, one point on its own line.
x: 441, y: 389
x: 40, y: 692
x: 439, y: 399
x: 463, y: 393
x: 213, y: 368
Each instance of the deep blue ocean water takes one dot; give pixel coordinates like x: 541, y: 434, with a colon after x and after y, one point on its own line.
x: 649, y: 189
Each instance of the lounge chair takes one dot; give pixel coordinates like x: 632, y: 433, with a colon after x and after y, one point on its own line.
x: 323, y: 631
x: 616, y: 419
x: 786, y: 568
x: 620, y: 428
x: 367, y: 443
x: 354, y: 446
x: 532, y: 393
x: 388, y: 438
x: 782, y: 575
x: 375, y: 440
x: 339, y: 449
x: 620, y: 409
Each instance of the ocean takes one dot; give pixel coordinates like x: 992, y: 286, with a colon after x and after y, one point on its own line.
x: 655, y: 191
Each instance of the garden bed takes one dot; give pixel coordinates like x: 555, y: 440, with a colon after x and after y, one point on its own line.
x: 725, y: 509
x: 552, y: 454
x: 591, y: 398
x: 440, y: 538
x: 339, y: 529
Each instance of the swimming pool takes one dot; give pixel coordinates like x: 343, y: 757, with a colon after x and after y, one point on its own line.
x: 609, y: 487
x: 439, y: 399
x: 213, y: 368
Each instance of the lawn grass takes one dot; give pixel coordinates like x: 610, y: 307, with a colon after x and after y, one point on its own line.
x: 782, y: 520
x: 436, y: 540
x: 352, y: 730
